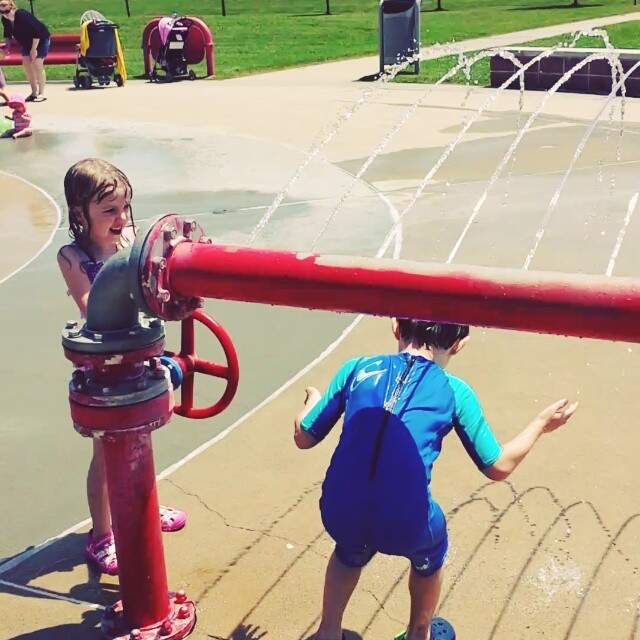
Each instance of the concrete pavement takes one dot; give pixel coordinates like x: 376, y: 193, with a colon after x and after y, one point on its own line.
x: 552, y: 554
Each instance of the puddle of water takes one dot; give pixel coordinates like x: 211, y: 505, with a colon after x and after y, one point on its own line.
x: 542, y: 150
x: 227, y: 182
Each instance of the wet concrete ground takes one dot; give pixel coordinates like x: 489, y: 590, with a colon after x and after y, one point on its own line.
x: 169, y: 176
x: 553, y: 553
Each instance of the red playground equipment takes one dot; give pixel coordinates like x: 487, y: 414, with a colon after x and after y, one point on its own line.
x: 122, y: 391
x: 199, y: 45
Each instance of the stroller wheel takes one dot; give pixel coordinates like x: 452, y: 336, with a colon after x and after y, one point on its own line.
x: 153, y: 76
x: 118, y: 80
x: 169, y: 77
x: 76, y: 82
x: 192, y: 74
x: 87, y: 82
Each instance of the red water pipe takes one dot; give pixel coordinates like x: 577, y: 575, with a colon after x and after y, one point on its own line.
x: 131, y: 481
x: 543, y: 302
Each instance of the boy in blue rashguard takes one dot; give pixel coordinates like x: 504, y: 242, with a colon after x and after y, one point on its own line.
x: 375, y: 497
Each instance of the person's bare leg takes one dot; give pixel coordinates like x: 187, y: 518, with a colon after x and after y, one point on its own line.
x: 29, y: 71
x: 25, y: 133
x: 39, y: 75
x: 97, y: 494
x: 425, y: 593
x: 339, y: 583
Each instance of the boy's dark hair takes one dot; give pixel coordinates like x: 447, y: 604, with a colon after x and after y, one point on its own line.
x: 422, y: 333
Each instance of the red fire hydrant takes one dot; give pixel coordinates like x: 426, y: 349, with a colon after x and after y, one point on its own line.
x: 120, y: 392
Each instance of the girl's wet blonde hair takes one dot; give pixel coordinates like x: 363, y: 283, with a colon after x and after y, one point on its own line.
x: 88, y: 180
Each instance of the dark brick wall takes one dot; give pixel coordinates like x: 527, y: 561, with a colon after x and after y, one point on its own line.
x: 594, y: 77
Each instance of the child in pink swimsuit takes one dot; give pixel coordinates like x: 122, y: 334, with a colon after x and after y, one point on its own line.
x: 20, y: 116
x: 100, y: 224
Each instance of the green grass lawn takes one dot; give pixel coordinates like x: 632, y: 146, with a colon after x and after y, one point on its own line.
x: 262, y: 35
x: 621, y: 36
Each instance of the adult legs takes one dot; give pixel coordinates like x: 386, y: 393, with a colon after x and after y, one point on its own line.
x: 425, y: 593
x: 40, y: 76
x: 340, y: 581
x: 29, y: 71
x: 97, y: 494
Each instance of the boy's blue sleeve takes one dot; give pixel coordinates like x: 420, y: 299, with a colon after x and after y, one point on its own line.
x: 471, y: 426
x: 321, y: 419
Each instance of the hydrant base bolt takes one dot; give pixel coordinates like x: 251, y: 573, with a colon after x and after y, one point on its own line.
x: 167, y: 627
x: 176, y: 626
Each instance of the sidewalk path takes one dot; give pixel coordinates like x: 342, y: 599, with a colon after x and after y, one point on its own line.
x: 350, y: 70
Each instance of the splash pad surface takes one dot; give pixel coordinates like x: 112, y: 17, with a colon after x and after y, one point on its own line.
x: 555, y: 548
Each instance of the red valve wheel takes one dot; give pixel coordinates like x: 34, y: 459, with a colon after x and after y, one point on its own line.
x: 191, y: 364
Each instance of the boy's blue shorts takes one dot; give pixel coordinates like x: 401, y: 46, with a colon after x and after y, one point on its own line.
x: 426, y: 557
x: 43, y: 49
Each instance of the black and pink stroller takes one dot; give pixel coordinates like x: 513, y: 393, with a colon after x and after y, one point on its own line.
x: 171, y: 59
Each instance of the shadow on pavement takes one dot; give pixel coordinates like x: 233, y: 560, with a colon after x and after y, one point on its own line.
x: 65, y: 556
x: 87, y: 629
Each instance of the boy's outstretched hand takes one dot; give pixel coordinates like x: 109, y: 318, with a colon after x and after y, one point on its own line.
x: 556, y: 414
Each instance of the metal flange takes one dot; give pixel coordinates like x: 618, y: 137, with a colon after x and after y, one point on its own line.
x: 148, y: 267
x: 78, y: 338
x: 177, y: 625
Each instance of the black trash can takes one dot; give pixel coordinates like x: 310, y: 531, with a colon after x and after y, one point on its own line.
x: 399, y: 32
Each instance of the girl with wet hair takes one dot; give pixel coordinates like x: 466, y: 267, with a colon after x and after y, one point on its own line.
x: 99, y: 197
x: 88, y: 184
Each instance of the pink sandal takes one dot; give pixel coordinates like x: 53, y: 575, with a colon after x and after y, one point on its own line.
x: 102, y: 552
x: 172, y: 519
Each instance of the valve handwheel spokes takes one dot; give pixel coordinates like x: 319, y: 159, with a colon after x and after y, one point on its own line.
x: 190, y: 364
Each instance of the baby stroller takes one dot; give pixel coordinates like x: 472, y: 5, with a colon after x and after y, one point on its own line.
x: 99, y: 54
x: 171, y: 59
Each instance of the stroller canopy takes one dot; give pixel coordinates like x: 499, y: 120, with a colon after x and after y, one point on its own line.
x: 92, y: 16
x: 164, y: 28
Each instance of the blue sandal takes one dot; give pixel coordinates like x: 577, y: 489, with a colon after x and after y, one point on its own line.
x: 440, y: 630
